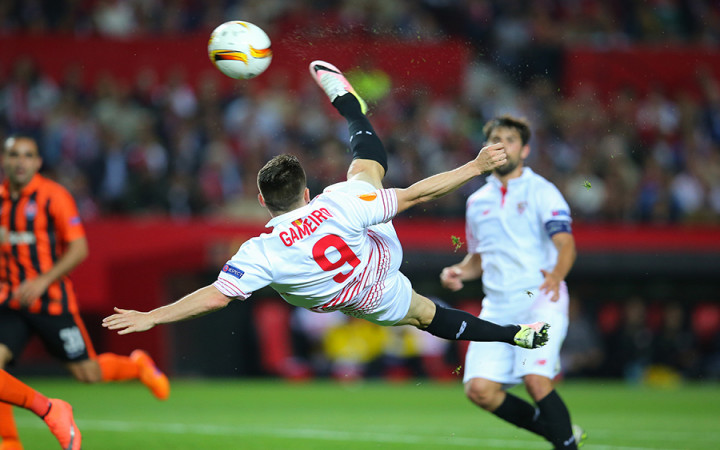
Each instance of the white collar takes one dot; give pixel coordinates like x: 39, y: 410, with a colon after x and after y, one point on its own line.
x: 526, y: 173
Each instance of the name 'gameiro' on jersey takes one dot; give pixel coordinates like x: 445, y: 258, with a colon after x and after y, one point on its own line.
x: 303, y: 227
x: 313, y: 252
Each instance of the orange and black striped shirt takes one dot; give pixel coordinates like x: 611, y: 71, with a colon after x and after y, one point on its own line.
x: 35, y: 229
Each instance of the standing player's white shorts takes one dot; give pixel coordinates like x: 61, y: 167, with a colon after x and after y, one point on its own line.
x: 508, y: 364
x: 393, y: 290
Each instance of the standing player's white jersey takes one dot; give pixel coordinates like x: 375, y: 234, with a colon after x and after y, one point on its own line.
x: 512, y: 229
x: 325, y: 256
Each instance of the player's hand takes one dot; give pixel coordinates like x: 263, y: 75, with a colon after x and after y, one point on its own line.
x: 31, y: 290
x: 491, y: 156
x: 128, y: 321
x: 551, y: 284
x: 450, y: 278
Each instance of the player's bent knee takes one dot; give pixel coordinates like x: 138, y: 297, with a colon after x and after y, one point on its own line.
x: 481, y: 393
x: 538, y: 386
x: 86, y: 371
x: 421, y: 312
x: 5, y: 356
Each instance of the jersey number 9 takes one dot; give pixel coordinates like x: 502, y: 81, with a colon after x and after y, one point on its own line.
x: 346, y: 256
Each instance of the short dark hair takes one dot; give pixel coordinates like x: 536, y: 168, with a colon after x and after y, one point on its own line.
x: 507, y: 121
x: 282, y: 182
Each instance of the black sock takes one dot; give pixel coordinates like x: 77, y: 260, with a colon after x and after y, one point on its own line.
x: 349, y: 107
x: 520, y: 413
x: 555, y: 419
x: 364, y: 142
x: 454, y: 324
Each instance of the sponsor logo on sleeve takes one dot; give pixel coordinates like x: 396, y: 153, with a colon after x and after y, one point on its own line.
x: 560, y: 212
x: 368, y: 197
x: 230, y: 270
x: 75, y: 220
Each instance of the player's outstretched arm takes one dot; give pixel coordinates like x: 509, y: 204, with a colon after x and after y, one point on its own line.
x: 441, y: 184
x: 198, y: 303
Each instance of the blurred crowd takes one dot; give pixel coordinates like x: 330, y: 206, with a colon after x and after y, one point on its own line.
x: 642, y: 341
x: 497, y: 23
x: 632, y: 339
x: 171, y: 147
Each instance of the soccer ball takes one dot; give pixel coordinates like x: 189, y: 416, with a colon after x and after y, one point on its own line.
x: 239, y: 49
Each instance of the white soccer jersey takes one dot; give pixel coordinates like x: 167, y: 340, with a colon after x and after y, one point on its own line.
x: 324, y: 256
x: 512, y: 228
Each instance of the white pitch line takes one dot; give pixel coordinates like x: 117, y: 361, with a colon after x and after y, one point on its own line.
x: 309, y: 433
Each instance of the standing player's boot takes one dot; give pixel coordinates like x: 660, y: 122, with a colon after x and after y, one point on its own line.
x: 150, y: 375
x: 580, y: 435
x: 532, y: 336
x: 61, y: 423
x: 333, y: 82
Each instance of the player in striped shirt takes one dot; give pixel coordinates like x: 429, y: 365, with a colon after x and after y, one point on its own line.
x: 41, y: 240
x: 339, y: 251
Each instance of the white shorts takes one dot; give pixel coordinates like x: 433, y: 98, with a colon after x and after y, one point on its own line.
x: 396, y: 291
x: 508, y: 364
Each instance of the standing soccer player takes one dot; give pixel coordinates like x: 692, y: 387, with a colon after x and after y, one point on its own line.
x: 56, y: 413
x: 520, y: 241
x: 41, y: 241
x: 340, y: 252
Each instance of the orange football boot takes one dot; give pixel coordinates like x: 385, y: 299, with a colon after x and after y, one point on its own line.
x: 150, y: 375
x: 61, y: 423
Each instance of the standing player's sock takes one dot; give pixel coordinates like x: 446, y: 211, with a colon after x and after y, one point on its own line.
x: 520, y: 413
x: 555, y: 418
x: 16, y: 392
x: 364, y: 142
x: 117, y: 368
x: 8, y: 430
x: 454, y: 324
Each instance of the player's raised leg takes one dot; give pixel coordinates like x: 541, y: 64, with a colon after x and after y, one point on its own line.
x: 56, y: 413
x: 369, y: 157
x: 454, y: 324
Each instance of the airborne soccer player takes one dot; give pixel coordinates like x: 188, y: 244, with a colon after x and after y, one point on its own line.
x: 340, y: 252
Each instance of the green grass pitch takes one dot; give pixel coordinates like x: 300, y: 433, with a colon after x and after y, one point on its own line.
x: 274, y: 414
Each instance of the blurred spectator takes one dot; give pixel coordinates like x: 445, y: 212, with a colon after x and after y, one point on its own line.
x: 582, y: 351
x: 115, y: 18
x: 352, y: 346
x: 674, y: 345
x: 308, y: 331
x: 27, y: 98
x: 629, y: 349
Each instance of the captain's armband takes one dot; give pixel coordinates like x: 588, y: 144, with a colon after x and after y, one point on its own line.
x: 554, y: 227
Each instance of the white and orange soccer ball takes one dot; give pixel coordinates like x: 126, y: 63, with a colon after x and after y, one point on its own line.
x: 240, y: 49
